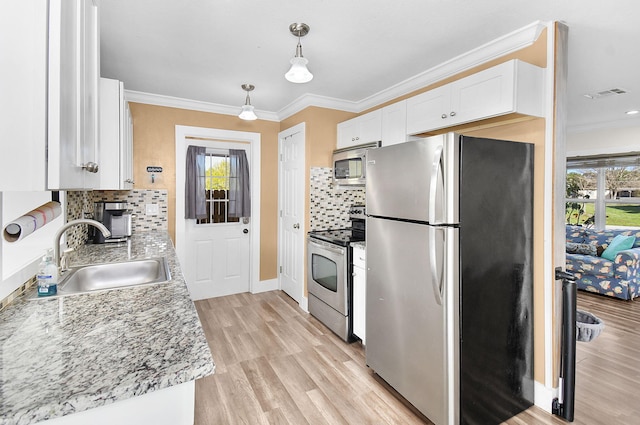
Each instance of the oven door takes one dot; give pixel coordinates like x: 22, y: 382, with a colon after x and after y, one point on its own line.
x: 327, y: 273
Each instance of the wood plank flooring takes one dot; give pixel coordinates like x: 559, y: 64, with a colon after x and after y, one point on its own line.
x: 276, y: 364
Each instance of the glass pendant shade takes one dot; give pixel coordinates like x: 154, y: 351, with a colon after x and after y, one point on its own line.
x: 298, y: 73
x: 247, y: 113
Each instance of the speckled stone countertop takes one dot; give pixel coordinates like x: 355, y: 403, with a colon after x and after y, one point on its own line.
x: 69, y: 354
x: 362, y: 244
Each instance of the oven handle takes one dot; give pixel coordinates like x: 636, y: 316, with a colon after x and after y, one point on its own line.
x: 327, y: 246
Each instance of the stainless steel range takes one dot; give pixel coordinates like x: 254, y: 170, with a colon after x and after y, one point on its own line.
x: 329, y: 278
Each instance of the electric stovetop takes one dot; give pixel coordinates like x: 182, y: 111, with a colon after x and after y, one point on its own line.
x: 342, y: 237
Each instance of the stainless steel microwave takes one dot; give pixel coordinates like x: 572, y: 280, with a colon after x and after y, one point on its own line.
x: 349, y: 164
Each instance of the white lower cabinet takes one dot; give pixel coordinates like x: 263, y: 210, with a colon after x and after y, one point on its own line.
x: 359, y: 293
x: 116, y: 137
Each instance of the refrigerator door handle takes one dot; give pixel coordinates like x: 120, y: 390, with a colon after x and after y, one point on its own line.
x: 433, y: 184
x: 436, y: 278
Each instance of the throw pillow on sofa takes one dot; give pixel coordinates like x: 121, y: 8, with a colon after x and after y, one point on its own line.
x: 581, y: 248
x: 619, y: 243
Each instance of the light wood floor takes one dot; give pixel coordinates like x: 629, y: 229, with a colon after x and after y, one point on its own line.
x: 276, y: 364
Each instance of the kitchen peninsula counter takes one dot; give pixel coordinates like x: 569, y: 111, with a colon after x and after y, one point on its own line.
x: 70, y: 354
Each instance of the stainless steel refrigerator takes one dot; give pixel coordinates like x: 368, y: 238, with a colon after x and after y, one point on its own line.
x: 449, y: 275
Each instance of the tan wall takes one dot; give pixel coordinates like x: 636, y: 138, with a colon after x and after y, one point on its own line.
x: 154, y: 144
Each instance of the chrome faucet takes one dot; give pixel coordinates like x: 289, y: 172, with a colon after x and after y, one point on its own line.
x: 56, y: 239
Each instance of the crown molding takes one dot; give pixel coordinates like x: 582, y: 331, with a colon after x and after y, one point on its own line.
x: 497, y: 48
x: 194, y: 105
x: 308, y: 99
x: 509, y: 43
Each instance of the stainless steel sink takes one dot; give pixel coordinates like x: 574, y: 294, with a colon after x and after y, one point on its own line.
x: 103, y: 277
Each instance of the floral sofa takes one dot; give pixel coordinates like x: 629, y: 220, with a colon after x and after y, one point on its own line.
x: 618, y: 278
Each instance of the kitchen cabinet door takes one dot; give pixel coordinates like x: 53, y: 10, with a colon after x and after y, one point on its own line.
x: 363, y: 129
x: 359, y: 294
x: 394, y: 123
x: 23, y: 87
x: 116, y: 144
x: 429, y: 110
x: 511, y: 87
x: 73, y: 94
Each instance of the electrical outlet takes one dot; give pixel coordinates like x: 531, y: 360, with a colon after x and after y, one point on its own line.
x: 152, y: 209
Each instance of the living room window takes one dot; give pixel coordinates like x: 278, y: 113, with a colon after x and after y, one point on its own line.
x: 604, y: 191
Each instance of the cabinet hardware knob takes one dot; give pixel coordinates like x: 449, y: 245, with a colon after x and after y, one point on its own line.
x: 91, y: 167
x: 443, y: 116
x: 296, y: 226
x: 453, y: 113
x: 129, y: 181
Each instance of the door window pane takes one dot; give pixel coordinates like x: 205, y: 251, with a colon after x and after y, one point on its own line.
x: 216, y: 178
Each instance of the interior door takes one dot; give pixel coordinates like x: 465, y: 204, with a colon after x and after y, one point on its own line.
x: 292, y: 189
x: 218, y: 251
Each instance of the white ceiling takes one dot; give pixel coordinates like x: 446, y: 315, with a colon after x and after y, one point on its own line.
x: 205, y: 49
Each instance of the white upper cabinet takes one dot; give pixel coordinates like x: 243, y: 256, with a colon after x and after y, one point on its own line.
x: 511, y: 87
x: 23, y: 87
x: 394, y: 123
x: 363, y: 129
x: 116, y: 137
x: 49, y: 110
x: 74, y: 69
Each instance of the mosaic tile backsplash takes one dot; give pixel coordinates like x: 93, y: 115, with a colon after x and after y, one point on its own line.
x: 329, y: 205
x: 80, y: 204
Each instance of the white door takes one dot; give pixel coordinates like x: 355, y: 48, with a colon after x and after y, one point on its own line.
x: 291, y: 200
x: 218, y: 247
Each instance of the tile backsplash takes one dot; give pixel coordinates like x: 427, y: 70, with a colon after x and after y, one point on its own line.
x: 80, y: 204
x: 329, y: 205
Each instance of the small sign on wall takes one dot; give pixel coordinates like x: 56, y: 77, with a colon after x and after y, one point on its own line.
x: 153, y: 169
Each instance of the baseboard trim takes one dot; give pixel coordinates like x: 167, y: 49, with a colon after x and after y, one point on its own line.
x: 304, y: 304
x: 544, y: 396
x: 265, y: 285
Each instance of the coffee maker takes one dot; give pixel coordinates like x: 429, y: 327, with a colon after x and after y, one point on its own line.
x: 115, y: 217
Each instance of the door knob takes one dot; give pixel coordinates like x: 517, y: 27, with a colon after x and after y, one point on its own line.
x: 91, y: 167
x: 296, y: 226
x: 245, y: 231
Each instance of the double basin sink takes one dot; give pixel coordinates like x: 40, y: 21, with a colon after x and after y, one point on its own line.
x: 108, y: 276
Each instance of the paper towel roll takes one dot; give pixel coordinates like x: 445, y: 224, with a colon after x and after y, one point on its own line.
x: 31, y: 221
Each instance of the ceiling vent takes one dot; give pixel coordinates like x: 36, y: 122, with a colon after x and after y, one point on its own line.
x: 605, y: 93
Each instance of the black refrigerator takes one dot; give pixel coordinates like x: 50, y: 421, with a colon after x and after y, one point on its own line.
x: 449, y: 241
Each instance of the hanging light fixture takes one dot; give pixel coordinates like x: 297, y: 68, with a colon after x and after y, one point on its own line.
x: 298, y: 73
x: 247, y: 109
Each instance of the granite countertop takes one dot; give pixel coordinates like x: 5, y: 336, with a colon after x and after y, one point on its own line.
x: 69, y: 354
x: 361, y: 244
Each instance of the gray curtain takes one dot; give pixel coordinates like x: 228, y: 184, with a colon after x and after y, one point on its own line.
x: 194, y: 190
x: 239, y: 191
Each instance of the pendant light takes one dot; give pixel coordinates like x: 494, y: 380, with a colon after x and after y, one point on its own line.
x: 298, y: 73
x: 247, y: 109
